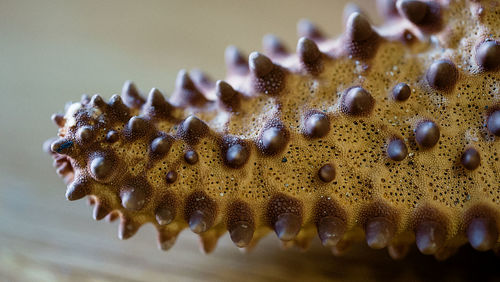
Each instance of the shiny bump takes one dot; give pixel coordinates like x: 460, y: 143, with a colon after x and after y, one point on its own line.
x: 161, y: 145
x: 316, y: 125
x: 493, y: 123
x: 427, y: 134
x: 488, y: 55
x: 330, y: 230
x: 397, y: 150
x: 237, y: 155
x: 241, y: 233
x: 228, y: 97
x: 164, y: 215
x: 102, y: 168
x: 133, y: 198
x: 430, y: 237
x: 273, y: 140
x: 198, y: 222
x: 112, y: 136
x: 379, y: 232
x: 442, y: 75
x: 482, y: 234
x: 171, y: 176
x: 191, y: 157
x: 357, y: 101
x: 401, y: 92
x: 287, y: 226
x: 470, y: 159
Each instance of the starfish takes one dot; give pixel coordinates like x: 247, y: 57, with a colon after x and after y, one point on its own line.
x: 387, y: 134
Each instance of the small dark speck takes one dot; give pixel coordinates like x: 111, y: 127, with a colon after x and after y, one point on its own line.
x: 284, y: 160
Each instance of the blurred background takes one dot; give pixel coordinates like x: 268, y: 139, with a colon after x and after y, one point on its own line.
x: 54, y: 51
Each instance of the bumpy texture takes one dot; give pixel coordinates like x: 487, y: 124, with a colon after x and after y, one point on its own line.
x: 387, y: 133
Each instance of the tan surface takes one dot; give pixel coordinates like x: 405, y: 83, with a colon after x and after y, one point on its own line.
x: 53, y: 51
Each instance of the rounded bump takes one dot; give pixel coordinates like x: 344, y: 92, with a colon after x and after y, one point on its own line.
x: 397, y: 150
x: 379, y: 232
x: 357, y: 101
x: 287, y: 226
x: 493, y: 123
x: 326, y: 173
x: 133, y: 198
x: 442, y: 75
x: 482, y: 234
x: 413, y: 10
x: 316, y: 125
x: 103, y: 167
x: 470, y: 159
x: 237, y: 155
x: 427, y: 134
x: 160, y: 146
x: 331, y: 229
x: 241, y: 233
x: 192, y: 129
x: 488, y: 55
x: 191, y: 157
x: 273, y: 140
x: 401, y: 92
x: 430, y: 237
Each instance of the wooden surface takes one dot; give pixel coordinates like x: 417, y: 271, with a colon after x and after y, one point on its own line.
x: 53, y: 51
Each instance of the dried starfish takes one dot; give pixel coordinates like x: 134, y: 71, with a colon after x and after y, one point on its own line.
x: 388, y: 133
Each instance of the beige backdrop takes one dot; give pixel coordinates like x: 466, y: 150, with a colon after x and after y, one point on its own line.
x: 53, y: 51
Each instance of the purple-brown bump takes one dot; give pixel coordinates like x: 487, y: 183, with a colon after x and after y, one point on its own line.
x: 85, y: 134
x: 228, y: 97
x: 413, y: 10
x: 131, y: 95
x: 430, y: 237
x: 488, y: 55
x: 235, y: 61
x: 260, y: 65
x: 470, y: 159
x: 156, y: 105
x: 493, y: 123
x: 482, y: 234
x: 58, y: 119
x: 357, y: 101
x: 161, y: 145
x: 118, y: 108
x: 198, y: 222
x: 97, y: 102
x: 442, y: 75
x: 241, y: 233
x: 171, y: 176
x: 237, y: 155
x: 397, y: 150
x: 326, y: 173
x: 287, y: 226
x: 305, y: 28
x: 186, y: 93
x: 273, y: 140
x: 330, y: 230
x: 316, y: 125
x: 191, y: 157
x: 379, y: 232
x: 401, y: 92
x: 102, y: 167
x: 192, y: 129
x: 358, y: 28
x: 136, y: 127
x: 273, y: 46
x: 427, y: 134
x: 164, y: 215
x: 112, y: 136
x: 308, y: 52
x: 133, y: 198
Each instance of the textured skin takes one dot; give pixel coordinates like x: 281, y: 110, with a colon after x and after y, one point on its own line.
x: 310, y: 143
